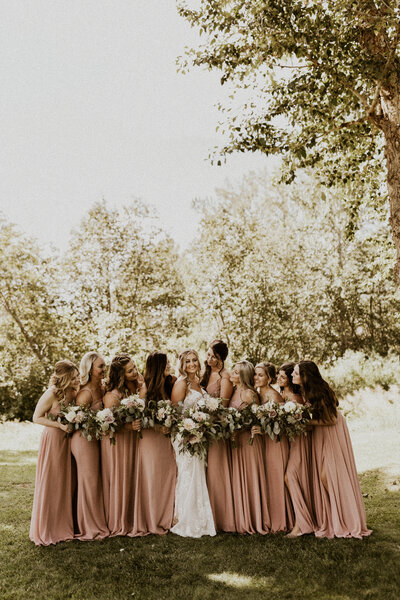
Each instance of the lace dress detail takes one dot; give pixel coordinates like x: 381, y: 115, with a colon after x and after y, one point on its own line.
x: 192, y: 503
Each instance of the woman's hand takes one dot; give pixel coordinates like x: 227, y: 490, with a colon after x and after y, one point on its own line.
x: 163, y: 429
x: 66, y: 428
x: 255, y: 430
x: 137, y: 425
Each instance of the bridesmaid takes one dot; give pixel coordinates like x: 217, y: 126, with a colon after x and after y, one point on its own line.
x: 339, y: 507
x: 276, y: 455
x: 216, y: 381
x: 299, y: 466
x: 155, y: 466
x: 249, y: 484
x: 90, y: 516
x: 52, y: 518
x: 117, y: 461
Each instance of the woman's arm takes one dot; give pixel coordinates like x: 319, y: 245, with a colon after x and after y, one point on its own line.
x: 142, y: 390
x: 178, y: 391
x: 43, y: 406
x: 111, y: 399
x: 249, y: 397
x: 226, y: 388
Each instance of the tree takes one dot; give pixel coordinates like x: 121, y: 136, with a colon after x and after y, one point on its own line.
x: 325, y: 78
x: 276, y: 276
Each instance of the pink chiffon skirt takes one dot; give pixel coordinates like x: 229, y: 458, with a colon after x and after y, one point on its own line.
x: 279, y: 504
x: 52, y: 518
x: 154, y: 484
x: 117, y: 469
x: 249, y: 486
x: 90, y: 515
x: 219, y: 485
x: 299, y: 478
x: 339, y: 510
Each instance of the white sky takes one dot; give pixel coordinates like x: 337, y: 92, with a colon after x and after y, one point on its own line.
x: 91, y: 107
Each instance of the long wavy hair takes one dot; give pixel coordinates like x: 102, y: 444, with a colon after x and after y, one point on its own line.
x: 220, y: 350
x: 60, y: 379
x: 86, y: 365
x: 157, y: 385
x: 182, y: 359
x: 269, y: 369
x: 317, y: 392
x: 287, y: 368
x: 246, y: 375
x: 116, y: 375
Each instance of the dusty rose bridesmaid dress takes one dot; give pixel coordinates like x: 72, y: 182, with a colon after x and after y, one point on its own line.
x: 249, y: 484
x: 299, y: 478
x: 219, y: 482
x: 339, y: 511
x: 279, y: 504
x: 154, y: 484
x: 90, y: 515
x: 52, y: 518
x: 117, y: 470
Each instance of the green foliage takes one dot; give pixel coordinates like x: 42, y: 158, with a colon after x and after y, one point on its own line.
x: 357, y: 370
x: 278, y: 278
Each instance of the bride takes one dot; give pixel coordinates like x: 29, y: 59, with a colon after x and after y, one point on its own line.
x: 193, y: 514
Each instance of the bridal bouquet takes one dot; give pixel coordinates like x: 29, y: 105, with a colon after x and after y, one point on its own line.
x: 294, y: 418
x: 194, y: 431
x: 130, y: 409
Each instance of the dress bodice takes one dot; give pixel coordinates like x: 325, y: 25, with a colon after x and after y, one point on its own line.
x: 191, y: 398
x: 214, y: 389
x: 236, y: 400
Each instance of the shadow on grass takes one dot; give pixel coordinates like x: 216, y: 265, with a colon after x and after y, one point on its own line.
x: 227, y: 566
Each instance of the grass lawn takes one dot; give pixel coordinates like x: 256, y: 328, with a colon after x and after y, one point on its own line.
x: 226, y: 567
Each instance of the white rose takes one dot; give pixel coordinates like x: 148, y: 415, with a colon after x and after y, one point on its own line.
x: 189, y: 424
x: 289, y: 406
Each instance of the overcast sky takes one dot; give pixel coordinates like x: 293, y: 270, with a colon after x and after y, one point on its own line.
x: 92, y: 107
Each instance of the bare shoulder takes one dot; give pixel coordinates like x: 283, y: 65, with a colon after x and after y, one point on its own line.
x: 180, y: 384
x: 275, y: 396
x: 249, y: 397
x: 84, y: 396
x: 111, y: 398
x: 225, y: 374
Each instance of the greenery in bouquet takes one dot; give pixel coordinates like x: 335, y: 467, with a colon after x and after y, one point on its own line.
x: 70, y: 415
x: 131, y: 409
x: 295, y: 418
x: 232, y: 420
x: 269, y: 418
x: 194, y: 431
x: 107, y: 423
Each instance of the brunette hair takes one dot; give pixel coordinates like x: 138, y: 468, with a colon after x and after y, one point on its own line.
x: 317, y: 392
x: 116, y: 375
x: 86, y: 365
x: 182, y: 359
x: 157, y: 385
x: 63, y: 374
x: 287, y: 368
x: 220, y: 350
x: 246, y: 375
x: 269, y: 369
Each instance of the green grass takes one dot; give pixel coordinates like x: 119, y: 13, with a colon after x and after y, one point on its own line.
x: 226, y: 567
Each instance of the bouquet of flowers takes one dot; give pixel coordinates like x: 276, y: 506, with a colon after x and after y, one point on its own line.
x: 107, y: 423
x: 72, y: 416
x: 294, y: 418
x: 194, y: 431
x: 232, y: 420
x: 166, y: 415
x: 130, y: 409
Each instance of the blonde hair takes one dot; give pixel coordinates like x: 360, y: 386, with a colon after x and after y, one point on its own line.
x: 269, y: 369
x: 182, y: 358
x: 86, y: 365
x: 246, y: 375
x: 63, y: 374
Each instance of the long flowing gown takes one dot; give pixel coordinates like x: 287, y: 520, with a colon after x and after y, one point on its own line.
x: 52, y: 518
x: 192, y: 504
x: 154, y: 484
x: 219, y: 482
x: 90, y: 515
x: 340, y: 510
x: 249, y: 483
x: 117, y: 470
x: 299, y: 478
x: 279, y: 504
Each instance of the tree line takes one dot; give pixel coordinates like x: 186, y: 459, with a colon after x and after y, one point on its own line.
x: 271, y: 271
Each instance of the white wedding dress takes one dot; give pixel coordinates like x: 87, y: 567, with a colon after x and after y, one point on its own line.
x: 192, y: 503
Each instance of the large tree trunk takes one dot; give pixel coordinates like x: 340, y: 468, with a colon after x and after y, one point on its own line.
x: 390, y: 124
